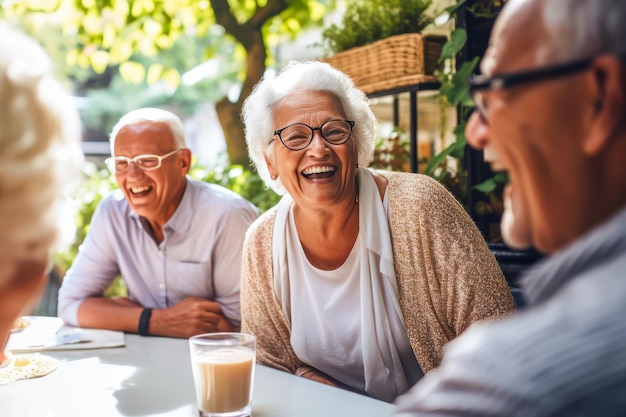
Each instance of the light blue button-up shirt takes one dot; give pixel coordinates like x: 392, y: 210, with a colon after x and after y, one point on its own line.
x: 562, y: 355
x: 200, y: 255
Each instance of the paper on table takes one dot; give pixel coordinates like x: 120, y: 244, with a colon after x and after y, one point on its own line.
x: 49, y: 333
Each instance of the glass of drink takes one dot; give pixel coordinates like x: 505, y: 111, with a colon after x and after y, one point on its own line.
x: 223, y: 372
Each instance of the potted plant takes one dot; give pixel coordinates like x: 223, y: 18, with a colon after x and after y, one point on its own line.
x: 380, y: 46
x: 367, y: 21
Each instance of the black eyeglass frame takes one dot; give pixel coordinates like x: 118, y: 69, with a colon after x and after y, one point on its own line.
x: 278, y: 132
x: 503, y: 81
x: 481, y: 83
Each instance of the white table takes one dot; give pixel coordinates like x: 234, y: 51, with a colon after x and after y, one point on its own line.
x: 151, y: 376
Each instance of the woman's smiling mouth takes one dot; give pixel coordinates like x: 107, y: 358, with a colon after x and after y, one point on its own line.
x: 319, y: 172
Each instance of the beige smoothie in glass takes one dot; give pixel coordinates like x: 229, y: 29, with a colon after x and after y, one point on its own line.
x: 223, y: 371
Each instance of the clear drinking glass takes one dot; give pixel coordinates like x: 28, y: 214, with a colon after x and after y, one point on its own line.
x: 223, y: 373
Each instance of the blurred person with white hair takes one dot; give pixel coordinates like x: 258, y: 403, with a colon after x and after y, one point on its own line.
x: 40, y: 157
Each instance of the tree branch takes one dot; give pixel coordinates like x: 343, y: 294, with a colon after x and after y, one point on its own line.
x: 242, y: 31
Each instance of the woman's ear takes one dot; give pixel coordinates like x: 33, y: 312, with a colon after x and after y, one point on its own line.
x: 609, y: 88
x: 271, y: 168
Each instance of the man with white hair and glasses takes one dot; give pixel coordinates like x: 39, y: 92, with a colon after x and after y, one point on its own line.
x: 551, y: 111
x: 175, y: 242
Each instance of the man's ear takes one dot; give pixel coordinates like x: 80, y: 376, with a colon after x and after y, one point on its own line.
x: 186, y: 159
x: 609, y: 89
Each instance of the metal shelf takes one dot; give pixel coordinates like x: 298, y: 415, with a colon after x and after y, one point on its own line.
x: 412, y: 89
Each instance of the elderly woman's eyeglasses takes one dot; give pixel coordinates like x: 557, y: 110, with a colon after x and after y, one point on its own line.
x: 298, y: 136
x: 479, y: 84
x: 146, y: 162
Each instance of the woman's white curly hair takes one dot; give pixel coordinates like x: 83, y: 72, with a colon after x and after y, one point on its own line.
x: 39, y: 149
x: 258, y: 111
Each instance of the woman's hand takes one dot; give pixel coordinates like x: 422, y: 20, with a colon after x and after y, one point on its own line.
x: 319, y: 377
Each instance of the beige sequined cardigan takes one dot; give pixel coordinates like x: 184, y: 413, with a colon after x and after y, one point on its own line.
x: 447, y: 276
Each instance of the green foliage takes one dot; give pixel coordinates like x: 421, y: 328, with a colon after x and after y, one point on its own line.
x: 96, y: 184
x: 107, y: 105
x: 484, y: 8
x: 447, y: 166
x: 98, y: 34
x: 366, y: 21
x: 392, y: 153
x: 147, y: 42
x: 243, y: 181
x: 490, y: 184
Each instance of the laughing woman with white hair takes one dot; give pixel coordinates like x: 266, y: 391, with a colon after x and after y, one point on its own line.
x: 39, y: 157
x: 357, y: 278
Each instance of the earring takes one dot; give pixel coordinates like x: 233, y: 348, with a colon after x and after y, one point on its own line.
x: 273, y: 177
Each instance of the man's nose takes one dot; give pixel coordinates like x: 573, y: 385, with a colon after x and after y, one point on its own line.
x: 133, y: 169
x: 477, y: 132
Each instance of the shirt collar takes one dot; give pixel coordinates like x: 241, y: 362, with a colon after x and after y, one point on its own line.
x: 549, y: 275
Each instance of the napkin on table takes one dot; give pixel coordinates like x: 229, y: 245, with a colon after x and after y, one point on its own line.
x: 49, y: 333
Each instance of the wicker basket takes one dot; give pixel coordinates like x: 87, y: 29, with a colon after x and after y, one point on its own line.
x: 395, y: 62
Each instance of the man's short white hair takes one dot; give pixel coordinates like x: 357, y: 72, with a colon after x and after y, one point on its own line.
x: 151, y: 114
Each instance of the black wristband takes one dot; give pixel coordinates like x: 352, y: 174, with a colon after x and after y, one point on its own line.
x: 144, y: 322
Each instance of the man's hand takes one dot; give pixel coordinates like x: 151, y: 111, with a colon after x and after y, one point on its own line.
x: 189, y: 317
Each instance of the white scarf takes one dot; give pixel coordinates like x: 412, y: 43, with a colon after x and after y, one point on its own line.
x: 389, y: 366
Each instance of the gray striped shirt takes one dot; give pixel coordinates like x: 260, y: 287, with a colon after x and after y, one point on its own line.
x: 564, y: 355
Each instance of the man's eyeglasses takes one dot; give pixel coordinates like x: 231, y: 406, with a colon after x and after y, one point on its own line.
x: 479, y: 84
x: 298, y: 136
x: 147, y: 162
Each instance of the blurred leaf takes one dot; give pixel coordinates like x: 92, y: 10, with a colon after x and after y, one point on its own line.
x: 457, y: 90
x: 132, y: 72
x: 501, y: 177
x: 457, y: 41
x: 99, y: 61
x: 486, y: 187
x: 154, y: 73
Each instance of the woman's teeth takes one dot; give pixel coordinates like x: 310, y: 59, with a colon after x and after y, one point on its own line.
x: 317, y: 170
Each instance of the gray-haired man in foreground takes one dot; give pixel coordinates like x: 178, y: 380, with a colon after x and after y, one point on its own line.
x: 551, y: 111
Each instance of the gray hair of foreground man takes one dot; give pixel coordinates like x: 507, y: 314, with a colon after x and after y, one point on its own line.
x: 296, y: 77
x: 584, y: 28
x: 150, y: 114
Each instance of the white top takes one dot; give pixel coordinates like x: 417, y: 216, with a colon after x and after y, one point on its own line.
x: 333, y: 343
x: 347, y: 322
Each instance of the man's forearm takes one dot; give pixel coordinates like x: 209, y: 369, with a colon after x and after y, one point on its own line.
x: 119, y: 314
